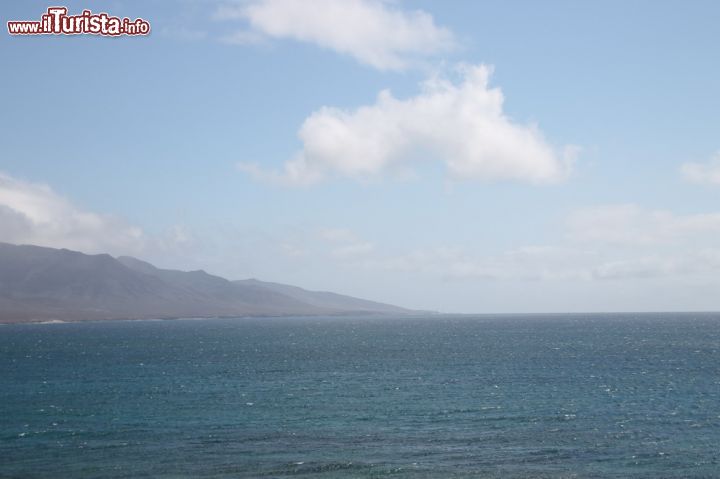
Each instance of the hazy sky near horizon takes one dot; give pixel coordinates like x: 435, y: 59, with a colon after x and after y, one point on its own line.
x: 462, y: 156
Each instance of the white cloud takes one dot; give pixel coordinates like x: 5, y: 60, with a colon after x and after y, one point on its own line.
x: 607, y: 243
x: 33, y: 213
x: 638, y: 268
x: 683, y: 263
x: 374, y: 32
x: 529, y: 263
x: 630, y: 224
x: 707, y: 173
x: 611, y: 242
x: 560, y: 263
x: 460, y: 124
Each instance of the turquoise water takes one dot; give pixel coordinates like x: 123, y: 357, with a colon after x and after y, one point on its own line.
x: 491, y: 396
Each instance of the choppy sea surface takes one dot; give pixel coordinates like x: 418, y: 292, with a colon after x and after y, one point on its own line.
x: 535, y: 396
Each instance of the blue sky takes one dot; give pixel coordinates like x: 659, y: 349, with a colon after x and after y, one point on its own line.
x: 251, y: 139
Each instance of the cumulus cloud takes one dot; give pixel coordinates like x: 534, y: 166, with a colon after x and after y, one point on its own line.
x: 33, y: 213
x: 460, y: 124
x: 374, y: 32
x: 704, y: 173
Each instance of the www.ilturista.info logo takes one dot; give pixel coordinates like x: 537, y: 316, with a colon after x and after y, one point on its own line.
x: 57, y: 22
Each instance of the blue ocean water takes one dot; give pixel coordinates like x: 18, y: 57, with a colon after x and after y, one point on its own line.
x: 490, y: 396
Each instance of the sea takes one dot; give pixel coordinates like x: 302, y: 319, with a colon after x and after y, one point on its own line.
x: 493, y: 396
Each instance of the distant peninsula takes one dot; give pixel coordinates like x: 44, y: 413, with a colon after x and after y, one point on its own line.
x: 39, y: 284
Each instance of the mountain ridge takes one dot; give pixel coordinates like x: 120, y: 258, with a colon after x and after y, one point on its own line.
x: 39, y: 283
